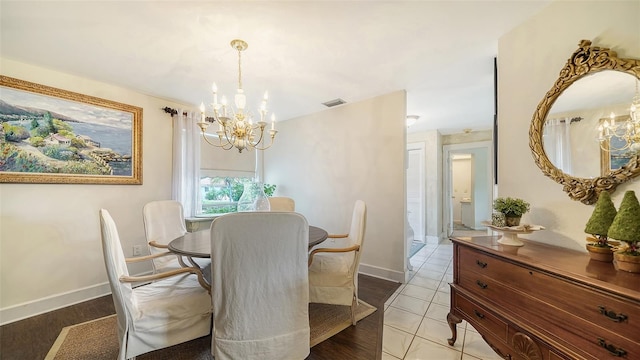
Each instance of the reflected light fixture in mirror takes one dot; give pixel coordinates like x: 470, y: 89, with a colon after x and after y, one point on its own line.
x: 235, y: 126
x: 570, y: 132
x: 412, y: 119
x: 586, y: 61
x: 625, y: 135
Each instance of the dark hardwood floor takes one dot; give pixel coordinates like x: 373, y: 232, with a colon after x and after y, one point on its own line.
x: 31, y: 339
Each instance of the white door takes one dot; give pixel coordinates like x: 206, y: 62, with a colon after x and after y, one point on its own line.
x: 415, y: 190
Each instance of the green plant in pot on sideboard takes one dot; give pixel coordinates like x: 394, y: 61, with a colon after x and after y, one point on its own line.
x: 512, y: 208
x: 598, y: 226
x: 626, y: 227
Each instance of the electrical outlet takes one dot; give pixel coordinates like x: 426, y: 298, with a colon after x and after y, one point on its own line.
x: 137, y: 250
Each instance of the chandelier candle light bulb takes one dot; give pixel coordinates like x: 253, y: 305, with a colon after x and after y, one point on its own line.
x: 626, y: 132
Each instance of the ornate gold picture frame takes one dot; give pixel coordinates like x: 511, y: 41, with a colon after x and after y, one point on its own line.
x: 54, y: 136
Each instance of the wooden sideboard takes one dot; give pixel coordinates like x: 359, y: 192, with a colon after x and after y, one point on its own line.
x: 544, y: 302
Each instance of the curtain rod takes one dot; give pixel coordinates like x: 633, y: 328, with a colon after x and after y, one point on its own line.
x: 172, y: 111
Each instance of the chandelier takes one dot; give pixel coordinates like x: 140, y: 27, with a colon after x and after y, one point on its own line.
x: 235, y: 125
x: 615, y: 135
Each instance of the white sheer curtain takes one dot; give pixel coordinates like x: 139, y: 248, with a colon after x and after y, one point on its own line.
x: 557, y: 143
x: 186, y: 161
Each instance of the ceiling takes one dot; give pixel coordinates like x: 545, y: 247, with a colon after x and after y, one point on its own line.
x: 304, y: 53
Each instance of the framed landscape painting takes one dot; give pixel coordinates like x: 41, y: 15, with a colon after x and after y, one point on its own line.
x: 615, y: 152
x: 50, y: 135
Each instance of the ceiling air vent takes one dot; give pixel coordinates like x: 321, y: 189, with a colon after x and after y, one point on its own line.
x: 335, y: 102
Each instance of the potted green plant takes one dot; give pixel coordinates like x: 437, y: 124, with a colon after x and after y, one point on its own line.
x: 598, y: 226
x: 512, y: 208
x: 626, y: 227
x: 269, y: 189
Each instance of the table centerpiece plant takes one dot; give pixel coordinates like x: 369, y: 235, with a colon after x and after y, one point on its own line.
x: 626, y: 227
x: 512, y: 208
x: 598, y: 226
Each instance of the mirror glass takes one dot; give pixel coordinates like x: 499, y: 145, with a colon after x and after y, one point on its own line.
x: 571, y: 128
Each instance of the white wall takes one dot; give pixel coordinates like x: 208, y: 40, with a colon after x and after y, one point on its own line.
x: 328, y: 160
x: 529, y: 60
x: 482, y: 195
x: 50, y: 249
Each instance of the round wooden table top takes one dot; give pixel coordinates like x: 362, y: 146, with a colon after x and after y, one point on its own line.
x: 198, y: 244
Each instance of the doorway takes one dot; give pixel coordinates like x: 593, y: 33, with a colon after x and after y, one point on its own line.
x: 468, y: 196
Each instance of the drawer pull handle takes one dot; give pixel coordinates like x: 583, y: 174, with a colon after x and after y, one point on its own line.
x: 479, y: 314
x: 481, y: 264
x: 481, y: 284
x: 612, y: 314
x: 611, y: 348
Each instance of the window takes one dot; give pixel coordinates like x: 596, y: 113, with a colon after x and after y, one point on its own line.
x: 220, y: 190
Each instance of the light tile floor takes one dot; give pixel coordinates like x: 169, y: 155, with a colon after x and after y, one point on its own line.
x: 415, y: 318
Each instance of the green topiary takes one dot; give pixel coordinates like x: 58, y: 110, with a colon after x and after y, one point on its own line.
x: 626, y: 224
x: 601, y: 219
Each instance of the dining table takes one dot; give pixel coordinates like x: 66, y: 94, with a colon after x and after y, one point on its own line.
x: 198, y: 245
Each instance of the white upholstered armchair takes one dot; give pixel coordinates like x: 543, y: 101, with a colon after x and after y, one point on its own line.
x: 281, y: 203
x: 163, y: 222
x: 333, y: 265
x: 260, y: 286
x: 172, y: 308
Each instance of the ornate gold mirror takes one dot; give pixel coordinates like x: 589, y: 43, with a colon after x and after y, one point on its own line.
x: 582, y: 135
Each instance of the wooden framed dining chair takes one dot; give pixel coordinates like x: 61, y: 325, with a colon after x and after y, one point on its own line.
x: 260, y: 286
x: 334, y: 263
x: 281, y: 203
x: 174, y: 307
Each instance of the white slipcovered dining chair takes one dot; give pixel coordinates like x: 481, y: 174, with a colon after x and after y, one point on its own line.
x: 163, y: 222
x: 281, y: 203
x: 172, y: 308
x: 334, y: 263
x: 260, y: 286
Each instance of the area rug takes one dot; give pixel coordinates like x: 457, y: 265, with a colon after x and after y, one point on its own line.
x: 98, y: 339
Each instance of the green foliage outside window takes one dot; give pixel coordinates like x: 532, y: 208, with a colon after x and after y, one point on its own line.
x: 221, y: 194
x: 269, y: 189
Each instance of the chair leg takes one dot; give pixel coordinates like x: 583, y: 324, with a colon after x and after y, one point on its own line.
x: 354, y: 303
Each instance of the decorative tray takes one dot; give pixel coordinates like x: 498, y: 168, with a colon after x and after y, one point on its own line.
x: 510, y: 233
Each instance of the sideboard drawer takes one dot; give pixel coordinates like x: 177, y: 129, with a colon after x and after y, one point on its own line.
x: 554, y: 303
x: 477, y: 269
x: 619, y: 315
x: 580, y: 334
x: 481, y: 263
x: 479, y: 316
x: 592, y: 342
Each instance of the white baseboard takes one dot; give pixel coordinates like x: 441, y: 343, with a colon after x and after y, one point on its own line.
x: 54, y: 302
x: 40, y: 306
x: 382, y: 273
